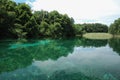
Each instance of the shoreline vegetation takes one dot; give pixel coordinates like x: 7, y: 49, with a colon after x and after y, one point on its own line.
x: 17, y: 21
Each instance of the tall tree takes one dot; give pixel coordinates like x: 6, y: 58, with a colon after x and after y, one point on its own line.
x: 115, y: 27
x: 7, y: 17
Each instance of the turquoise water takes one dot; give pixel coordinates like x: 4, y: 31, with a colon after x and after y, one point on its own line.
x: 63, y: 59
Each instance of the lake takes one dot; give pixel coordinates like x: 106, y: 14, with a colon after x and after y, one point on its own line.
x: 60, y: 59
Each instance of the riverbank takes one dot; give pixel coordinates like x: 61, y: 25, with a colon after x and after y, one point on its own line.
x: 97, y: 35
x: 116, y: 36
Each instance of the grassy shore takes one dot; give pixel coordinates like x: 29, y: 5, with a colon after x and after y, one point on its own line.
x: 98, y: 35
x: 116, y: 36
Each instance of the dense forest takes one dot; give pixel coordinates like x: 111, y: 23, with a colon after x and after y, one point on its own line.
x: 17, y: 20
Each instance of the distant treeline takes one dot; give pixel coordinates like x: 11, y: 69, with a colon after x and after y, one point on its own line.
x: 88, y: 28
x: 114, y: 28
x: 19, y: 21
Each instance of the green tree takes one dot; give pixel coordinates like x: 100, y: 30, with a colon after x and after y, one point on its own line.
x: 67, y: 24
x: 23, y: 18
x: 18, y: 21
x: 44, y: 29
x: 32, y: 28
x: 115, y: 27
x: 79, y: 29
x: 7, y: 17
x: 90, y: 28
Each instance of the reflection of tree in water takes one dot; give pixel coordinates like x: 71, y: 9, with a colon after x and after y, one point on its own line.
x: 14, y: 59
x: 23, y: 53
x: 114, y: 43
x: 53, y: 50
x: 62, y: 75
x: 91, y: 42
x: 20, y: 57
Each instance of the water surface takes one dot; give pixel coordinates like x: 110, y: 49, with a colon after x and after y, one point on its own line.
x: 64, y: 59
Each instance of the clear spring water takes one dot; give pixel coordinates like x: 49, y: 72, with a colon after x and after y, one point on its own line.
x: 64, y: 59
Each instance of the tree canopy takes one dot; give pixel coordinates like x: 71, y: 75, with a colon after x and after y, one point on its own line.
x: 115, y: 27
x: 18, y: 21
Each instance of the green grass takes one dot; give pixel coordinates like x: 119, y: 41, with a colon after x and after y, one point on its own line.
x: 97, y: 35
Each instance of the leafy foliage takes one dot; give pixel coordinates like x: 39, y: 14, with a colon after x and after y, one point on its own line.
x: 115, y: 27
x: 18, y: 21
x: 90, y: 28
